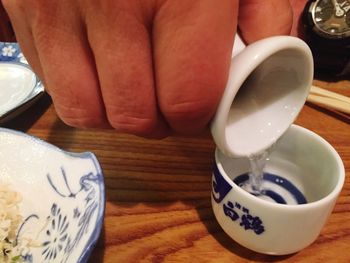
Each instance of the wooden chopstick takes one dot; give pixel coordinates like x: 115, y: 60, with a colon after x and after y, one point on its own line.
x: 329, y: 94
x: 329, y: 99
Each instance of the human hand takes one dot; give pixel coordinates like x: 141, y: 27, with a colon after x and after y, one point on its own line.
x: 143, y: 67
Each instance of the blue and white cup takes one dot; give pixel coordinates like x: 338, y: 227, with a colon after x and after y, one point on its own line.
x: 302, y: 181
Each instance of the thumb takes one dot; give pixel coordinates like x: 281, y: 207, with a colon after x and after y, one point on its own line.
x: 259, y: 19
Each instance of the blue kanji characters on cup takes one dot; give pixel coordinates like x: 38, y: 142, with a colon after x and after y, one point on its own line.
x: 252, y: 222
x: 230, y: 211
x: 247, y: 221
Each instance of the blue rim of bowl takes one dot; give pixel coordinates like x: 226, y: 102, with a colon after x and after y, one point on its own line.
x: 10, y: 53
x: 92, y: 242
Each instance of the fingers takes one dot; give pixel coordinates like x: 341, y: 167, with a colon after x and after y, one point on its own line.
x: 259, y: 19
x: 122, y: 50
x: 97, y: 63
x: 192, y: 49
x: 62, y: 57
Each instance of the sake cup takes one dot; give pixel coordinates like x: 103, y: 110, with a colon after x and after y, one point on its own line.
x: 302, y: 180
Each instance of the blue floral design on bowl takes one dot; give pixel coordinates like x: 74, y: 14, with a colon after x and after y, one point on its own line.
x: 63, y: 197
x: 11, y: 52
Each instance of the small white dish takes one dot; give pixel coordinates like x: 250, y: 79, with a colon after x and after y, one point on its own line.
x: 63, y: 197
x: 19, y: 85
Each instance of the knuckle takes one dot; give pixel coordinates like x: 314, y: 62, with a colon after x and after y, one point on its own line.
x: 186, y: 109
x: 128, y: 123
x: 194, y: 108
x: 188, y: 117
x: 77, y: 122
x: 78, y: 116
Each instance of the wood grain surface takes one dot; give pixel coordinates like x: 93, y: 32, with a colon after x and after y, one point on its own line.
x: 158, y: 191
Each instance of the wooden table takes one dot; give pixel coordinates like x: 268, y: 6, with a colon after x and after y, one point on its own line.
x: 158, y: 192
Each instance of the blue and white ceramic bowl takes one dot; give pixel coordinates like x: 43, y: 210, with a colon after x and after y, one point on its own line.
x: 19, y: 86
x: 63, y: 197
x: 301, y: 183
